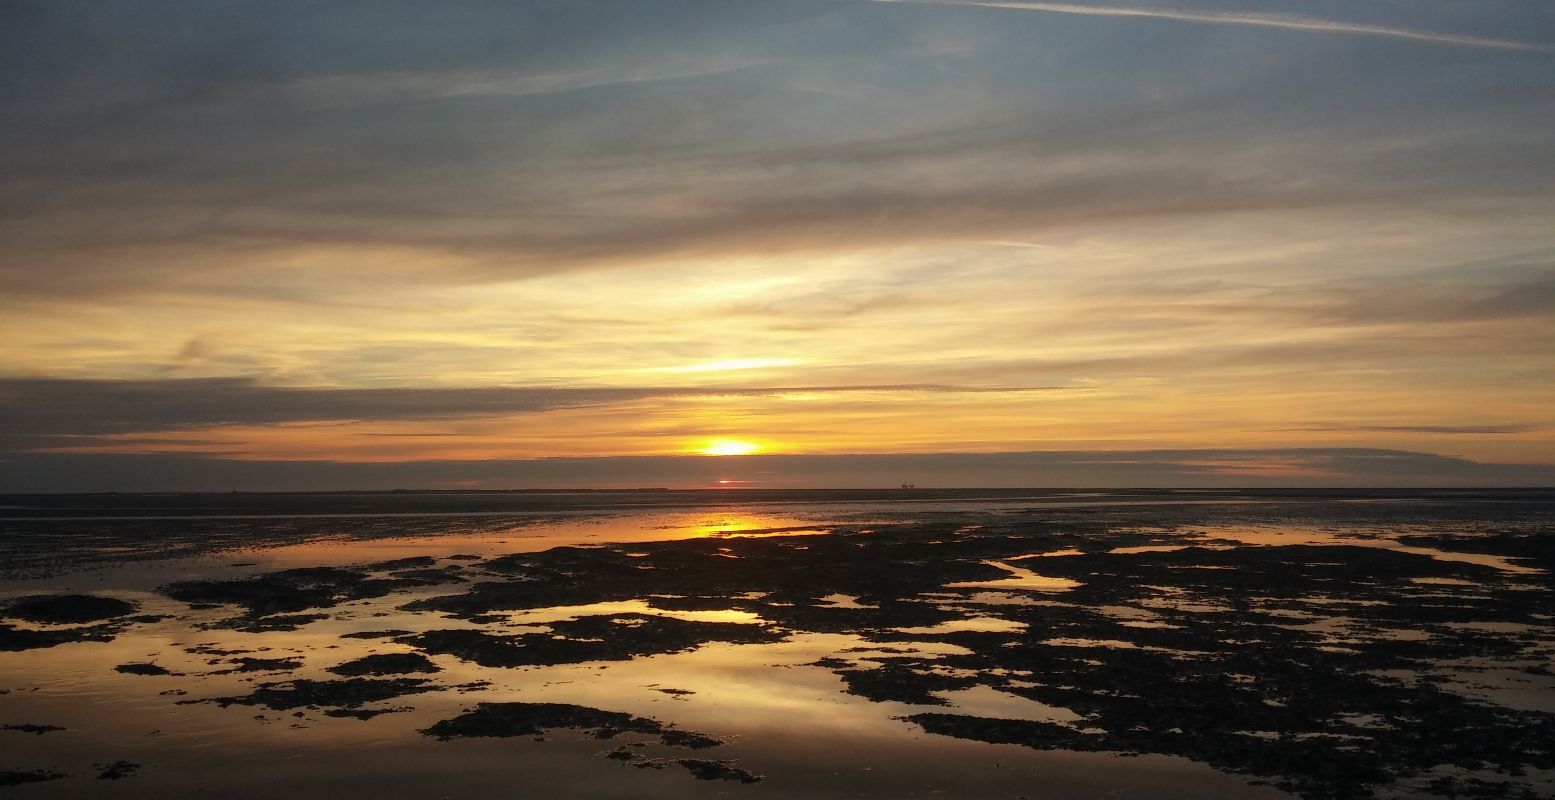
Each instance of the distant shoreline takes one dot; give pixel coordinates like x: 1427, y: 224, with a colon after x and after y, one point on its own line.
x: 744, y: 490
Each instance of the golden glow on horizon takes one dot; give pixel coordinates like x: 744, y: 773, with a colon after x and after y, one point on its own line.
x: 730, y: 447
x: 1172, y: 381
x: 1118, y: 417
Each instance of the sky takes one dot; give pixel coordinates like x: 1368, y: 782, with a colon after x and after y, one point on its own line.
x: 282, y: 245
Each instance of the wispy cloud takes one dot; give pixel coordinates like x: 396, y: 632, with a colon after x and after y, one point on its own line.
x: 33, y: 410
x: 215, y: 163
x: 1281, y: 21
x: 1466, y: 430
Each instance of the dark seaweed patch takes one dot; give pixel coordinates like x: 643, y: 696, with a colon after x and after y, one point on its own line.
x: 246, y: 664
x: 117, y: 770
x: 389, y: 634
x: 30, y: 728
x: 688, y: 739
x: 365, y: 713
x: 597, y: 638
x: 17, y: 777
x: 429, y: 577
x: 288, y: 591
x: 143, y: 669
x: 68, y: 609
x: 13, y: 639
x: 267, y: 624
x: 387, y: 664
x: 717, y: 770
x: 901, y: 683
x: 301, y: 693
x: 412, y: 562
x: 622, y: 753
x: 534, y: 719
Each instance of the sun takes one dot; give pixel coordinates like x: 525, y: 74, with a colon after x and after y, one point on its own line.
x: 729, y: 447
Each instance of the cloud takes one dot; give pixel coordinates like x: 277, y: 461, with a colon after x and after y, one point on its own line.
x: 194, y: 350
x: 1289, y: 22
x: 1468, y: 430
x: 1133, y: 468
x: 1515, y: 307
x: 1229, y: 229
x: 248, y: 149
x: 38, y: 410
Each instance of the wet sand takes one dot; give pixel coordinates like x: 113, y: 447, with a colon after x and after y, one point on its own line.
x: 1164, y: 644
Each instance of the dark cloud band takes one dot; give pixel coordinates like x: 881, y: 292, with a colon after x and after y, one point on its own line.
x: 37, y: 408
x: 1134, y: 468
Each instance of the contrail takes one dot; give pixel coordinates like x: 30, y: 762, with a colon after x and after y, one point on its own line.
x: 1284, y: 21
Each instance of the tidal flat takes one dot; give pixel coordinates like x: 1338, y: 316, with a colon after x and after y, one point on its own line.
x: 1009, y: 644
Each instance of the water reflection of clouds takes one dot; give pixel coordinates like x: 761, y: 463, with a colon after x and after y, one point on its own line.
x: 491, y: 538
x: 1020, y: 578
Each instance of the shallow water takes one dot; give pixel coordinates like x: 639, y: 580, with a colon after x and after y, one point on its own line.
x: 960, y: 647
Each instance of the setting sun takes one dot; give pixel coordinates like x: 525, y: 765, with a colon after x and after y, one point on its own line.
x: 729, y: 447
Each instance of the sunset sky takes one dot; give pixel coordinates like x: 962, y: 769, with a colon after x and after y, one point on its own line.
x: 334, y: 245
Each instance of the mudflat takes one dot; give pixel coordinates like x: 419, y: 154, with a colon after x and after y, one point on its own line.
x: 665, y: 644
